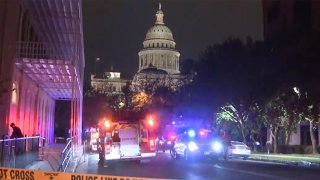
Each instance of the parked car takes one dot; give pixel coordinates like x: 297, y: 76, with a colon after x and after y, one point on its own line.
x: 238, y: 149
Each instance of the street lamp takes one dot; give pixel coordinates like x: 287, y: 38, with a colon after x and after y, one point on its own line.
x: 95, y: 65
x: 297, y: 91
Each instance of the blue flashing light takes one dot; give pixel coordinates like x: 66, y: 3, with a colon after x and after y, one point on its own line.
x: 191, y: 133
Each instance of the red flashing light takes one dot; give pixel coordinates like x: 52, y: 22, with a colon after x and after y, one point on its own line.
x: 150, y: 122
x: 172, y: 137
x: 202, y: 133
x: 151, y: 142
x: 107, y: 124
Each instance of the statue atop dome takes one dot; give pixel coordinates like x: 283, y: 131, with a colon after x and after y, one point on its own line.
x: 159, y: 15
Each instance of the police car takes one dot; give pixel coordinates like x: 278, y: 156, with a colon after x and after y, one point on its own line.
x: 197, y: 144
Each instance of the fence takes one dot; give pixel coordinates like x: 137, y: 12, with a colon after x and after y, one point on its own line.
x: 20, y: 152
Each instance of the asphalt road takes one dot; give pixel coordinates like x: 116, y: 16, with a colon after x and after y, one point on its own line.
x: 165, y: 167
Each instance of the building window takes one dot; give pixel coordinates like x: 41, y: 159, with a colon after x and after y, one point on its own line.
x: 14, y: 94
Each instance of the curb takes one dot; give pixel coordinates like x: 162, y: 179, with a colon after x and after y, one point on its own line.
x: 301, y: 164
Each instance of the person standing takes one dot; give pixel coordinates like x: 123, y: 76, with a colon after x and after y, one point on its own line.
x: 16, y: 131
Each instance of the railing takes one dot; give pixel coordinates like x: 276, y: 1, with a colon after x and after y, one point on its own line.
x: 37, y: 50
x: 66, y: 155
x: 20, y: 152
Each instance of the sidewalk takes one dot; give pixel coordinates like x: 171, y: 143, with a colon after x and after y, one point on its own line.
x: 51, y: 158
x: 292, y: 159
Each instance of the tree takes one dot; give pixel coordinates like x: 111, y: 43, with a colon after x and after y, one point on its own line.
x: 237, y: 114
x: 309, y: 108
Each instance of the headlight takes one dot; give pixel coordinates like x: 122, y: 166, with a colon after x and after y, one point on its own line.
x: 217, y: 146
x: 191, y: 133
x: 192, y: 146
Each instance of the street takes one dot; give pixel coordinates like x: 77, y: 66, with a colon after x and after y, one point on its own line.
x: 165, y: 167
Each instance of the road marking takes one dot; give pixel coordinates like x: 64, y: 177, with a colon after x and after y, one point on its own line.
x: 247, y: 172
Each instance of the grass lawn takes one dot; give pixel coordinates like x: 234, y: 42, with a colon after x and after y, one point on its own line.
x: 289, y: 157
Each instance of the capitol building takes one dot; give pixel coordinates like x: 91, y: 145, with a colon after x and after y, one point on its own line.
x: 158, y: 62
x: 158, y: 59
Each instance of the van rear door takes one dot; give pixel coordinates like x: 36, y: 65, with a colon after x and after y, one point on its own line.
x: 129, y: 140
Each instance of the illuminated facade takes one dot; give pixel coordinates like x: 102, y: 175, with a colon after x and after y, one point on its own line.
x: 110, y: 83
x: 41, y: 61
x: 158, y: 59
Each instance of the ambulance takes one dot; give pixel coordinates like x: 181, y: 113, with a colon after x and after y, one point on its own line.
x: 126, y: 140
x: 94, y: 134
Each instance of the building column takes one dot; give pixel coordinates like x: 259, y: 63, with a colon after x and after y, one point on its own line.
x: 9, y: 19
x: 139, y: 63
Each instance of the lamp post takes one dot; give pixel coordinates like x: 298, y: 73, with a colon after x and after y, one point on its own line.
x: 95, y: 65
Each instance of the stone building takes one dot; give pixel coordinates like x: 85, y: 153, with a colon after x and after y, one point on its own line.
x: 158, y: 59
x: 41, y: 61
x: 110, y: 83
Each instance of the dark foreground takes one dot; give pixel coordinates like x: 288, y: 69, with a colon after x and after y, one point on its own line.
x: 164, y: 167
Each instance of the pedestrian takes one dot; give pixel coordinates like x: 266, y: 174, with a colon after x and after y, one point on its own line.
x: 226, y: 143
x: 16, y: 131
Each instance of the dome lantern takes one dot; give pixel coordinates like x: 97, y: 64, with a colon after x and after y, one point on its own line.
x: 159, y: 16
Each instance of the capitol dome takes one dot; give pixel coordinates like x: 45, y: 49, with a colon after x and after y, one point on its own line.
x: 159, y: 48
x: 159, y: 32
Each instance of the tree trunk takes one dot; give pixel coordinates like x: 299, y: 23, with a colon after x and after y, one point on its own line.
x: 275, y: 142
x: 313, y: 139
x: 288, y: 136
x: 243, y: 135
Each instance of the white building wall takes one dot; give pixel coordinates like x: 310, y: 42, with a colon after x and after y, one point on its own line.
x: 31, y: 108
x: 295, y: 138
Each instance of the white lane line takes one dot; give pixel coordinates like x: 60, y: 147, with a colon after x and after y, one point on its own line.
x: 247, y: 172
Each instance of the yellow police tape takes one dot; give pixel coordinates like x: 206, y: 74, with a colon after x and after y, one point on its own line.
x: 26, y: 174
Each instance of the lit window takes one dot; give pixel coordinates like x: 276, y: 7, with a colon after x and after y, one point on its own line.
x: 14, y: 94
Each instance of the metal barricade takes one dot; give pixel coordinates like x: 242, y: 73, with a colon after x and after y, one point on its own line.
x: 20, y: 152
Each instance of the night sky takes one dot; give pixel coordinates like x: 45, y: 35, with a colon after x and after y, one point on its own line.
x: 115, y: 29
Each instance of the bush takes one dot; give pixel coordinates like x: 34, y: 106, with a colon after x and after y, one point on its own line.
x: 287, y: 149
x: 295, y: 149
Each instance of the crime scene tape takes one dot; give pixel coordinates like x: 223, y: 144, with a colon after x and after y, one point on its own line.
x: 26, y: 174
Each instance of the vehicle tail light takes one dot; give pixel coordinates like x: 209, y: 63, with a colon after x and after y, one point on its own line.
x: 151, y: 142
x: 172, y: 137
x: 108, y: 146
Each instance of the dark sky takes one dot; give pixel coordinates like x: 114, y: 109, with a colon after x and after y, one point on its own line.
x: 115, y: 29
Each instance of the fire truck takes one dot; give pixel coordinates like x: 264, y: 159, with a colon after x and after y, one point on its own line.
x: 126, y: 140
